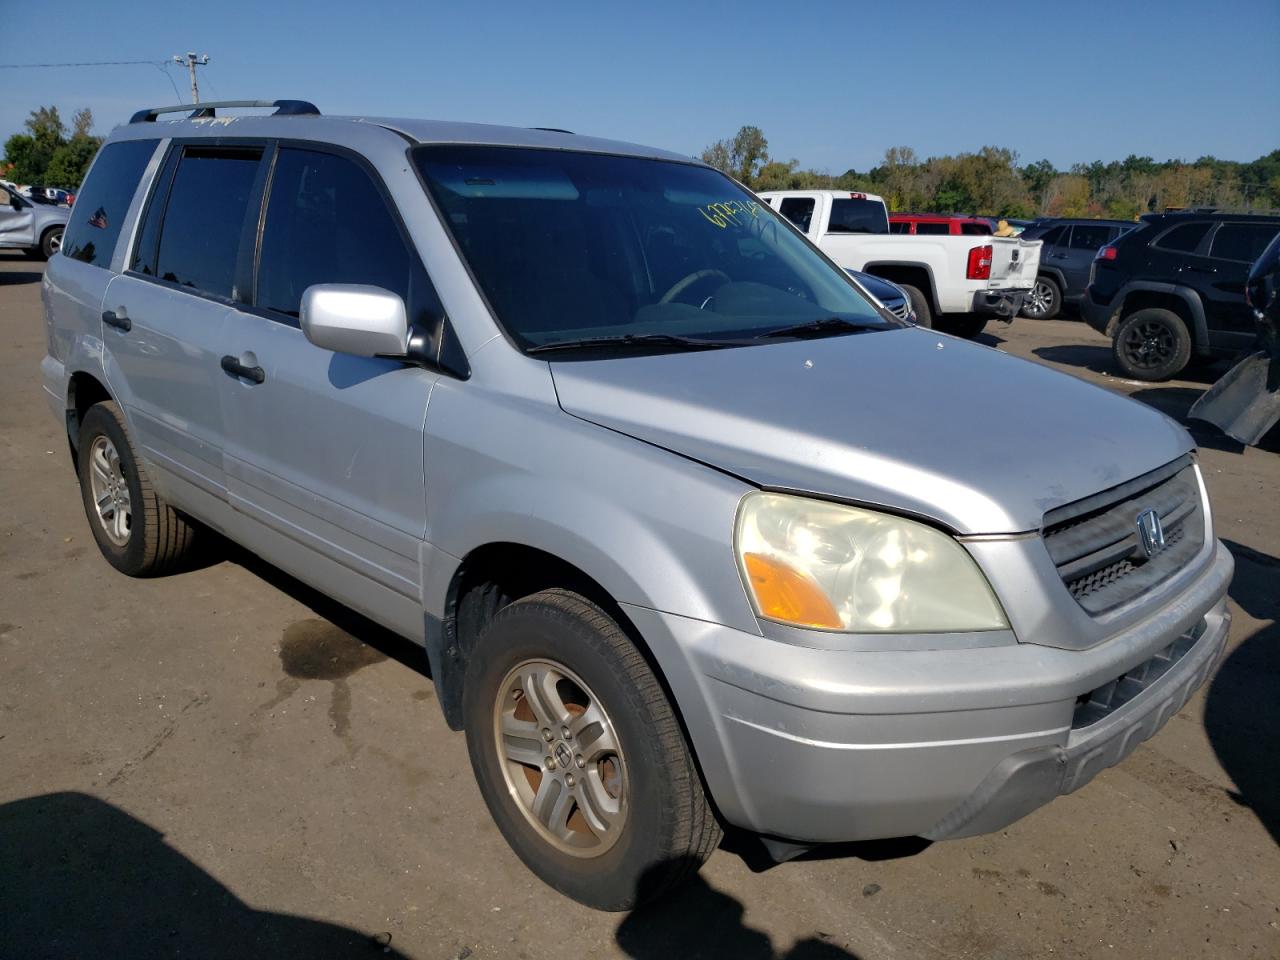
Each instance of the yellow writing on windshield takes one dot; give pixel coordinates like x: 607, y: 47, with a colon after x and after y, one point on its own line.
x: 725, y: 212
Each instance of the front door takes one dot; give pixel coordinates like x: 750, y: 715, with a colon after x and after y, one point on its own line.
x: 325, y: 450
x: 15, y: 220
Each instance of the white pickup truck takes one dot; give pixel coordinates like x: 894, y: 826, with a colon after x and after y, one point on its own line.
x: 956, y: 283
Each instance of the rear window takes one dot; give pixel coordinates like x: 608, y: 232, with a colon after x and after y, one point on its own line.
x: 1184, y: 238
x: 933, y: 229
x: 1089, y: 236
x: 1242, y: 241
x: 1053, y: 236
x: 858, y: 216
x: 101, y: 206
x: 204, y: 218
x: 799, y: 210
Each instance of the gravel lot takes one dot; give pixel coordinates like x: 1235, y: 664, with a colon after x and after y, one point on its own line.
x: 224, y: 763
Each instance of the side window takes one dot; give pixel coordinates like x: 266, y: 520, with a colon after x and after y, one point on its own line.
x: 1242, y: 241
x: 1054, y: 236
x: 205, y: 217
x: 1089, y: 236
x: 1184, y: 238
x: 327, y: 223
x: 900, y: 226
x: 932, y: 229
x: 100, y: 209
x: 799, y: 210
x: 975, y: 229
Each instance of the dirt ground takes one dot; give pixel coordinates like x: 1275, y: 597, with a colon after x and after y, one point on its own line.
x: 225, y: 764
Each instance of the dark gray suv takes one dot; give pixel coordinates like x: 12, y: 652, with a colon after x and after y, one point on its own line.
x: 1065, y: 259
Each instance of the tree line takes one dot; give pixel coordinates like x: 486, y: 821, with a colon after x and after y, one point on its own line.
x: 48, y: 154
x: 992, y: 182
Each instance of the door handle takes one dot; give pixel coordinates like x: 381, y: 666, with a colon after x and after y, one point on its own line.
x: 117, y: 319
x: 237, y: 369
x: 1193, y: 269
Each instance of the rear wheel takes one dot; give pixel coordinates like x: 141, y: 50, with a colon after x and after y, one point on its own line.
x: 579, y: 755
x: 137, y: 532
x: 1152, y: 344
x: 1045, y: 300
x: 919, y: 305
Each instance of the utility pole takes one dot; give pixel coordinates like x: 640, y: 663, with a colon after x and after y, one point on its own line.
x: 191, y: 61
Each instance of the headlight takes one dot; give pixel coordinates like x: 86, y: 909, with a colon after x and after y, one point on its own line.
x: 833, y: 567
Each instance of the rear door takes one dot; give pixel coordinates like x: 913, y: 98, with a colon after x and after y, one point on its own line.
x: 169, y: 310
x: 803, y: 212
x: 325, y: 450
x: 1233, y: 247
x: 1083, y: 240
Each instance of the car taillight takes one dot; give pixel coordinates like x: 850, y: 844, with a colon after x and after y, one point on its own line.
x: 1106, y: 253
x: 857, y: 196
x: 980, y: 263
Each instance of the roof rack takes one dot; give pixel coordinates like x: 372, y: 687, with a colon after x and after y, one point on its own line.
x: 554, y: 130
x: 284, y: 108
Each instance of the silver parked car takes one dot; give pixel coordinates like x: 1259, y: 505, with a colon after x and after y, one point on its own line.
x: 32, y: 225
x: 692, y: 531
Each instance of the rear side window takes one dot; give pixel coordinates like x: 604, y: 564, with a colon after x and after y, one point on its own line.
x: 932, y: 229
x: 975, y: 229
x: 101, y: 206
x: 858, y: 216
x: 799, y: 210
x: 1054, y: 236
x: 1242, y: 241
x: 327, y: 223
x: 205, y: 217
x: 1184, y: 238
x: 1089, y: 237
x: 900, y: 226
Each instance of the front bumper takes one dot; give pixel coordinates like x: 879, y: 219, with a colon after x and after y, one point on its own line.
x: 819, y: 746
x: 1003, y: 304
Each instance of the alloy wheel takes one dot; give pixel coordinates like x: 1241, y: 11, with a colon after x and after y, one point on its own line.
x: 561, y: 758
x: 110, y: 491
x: 1150, y: 345
x: 1041, y: 300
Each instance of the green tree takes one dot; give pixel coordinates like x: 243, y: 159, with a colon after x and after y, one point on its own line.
x: 742, y: 157
x: 44, y: 155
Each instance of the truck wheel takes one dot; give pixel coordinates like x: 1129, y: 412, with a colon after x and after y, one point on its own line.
x: 1152, y: 344
x: 919, y: 305
x: 1045, y: 300
x: 967, y: 325
x: 579, y: 755
x: 138, y: 533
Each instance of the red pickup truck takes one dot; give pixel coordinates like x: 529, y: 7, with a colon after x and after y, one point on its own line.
x: 938, y: 224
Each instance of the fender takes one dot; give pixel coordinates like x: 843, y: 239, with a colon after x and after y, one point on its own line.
x: 1056, y: 274
x: 1200, y: 327
x: 934, y: 302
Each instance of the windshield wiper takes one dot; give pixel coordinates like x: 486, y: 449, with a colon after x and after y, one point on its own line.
x: 630, y: 340
x: 820, y: 327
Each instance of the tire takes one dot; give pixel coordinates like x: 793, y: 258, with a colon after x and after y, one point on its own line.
x: 919, y: 305
x: 1045, y: 301
x: 51, y: 242
x: 967, y: 325
x: 142, y: 536
x: 654, y: 826
x: 1152, y: 344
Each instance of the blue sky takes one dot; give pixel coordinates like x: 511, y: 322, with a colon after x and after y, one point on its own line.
x: 831, y: 84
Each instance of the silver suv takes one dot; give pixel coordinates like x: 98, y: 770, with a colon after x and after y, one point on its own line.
x: 33, y: 225
x: 692, y: 531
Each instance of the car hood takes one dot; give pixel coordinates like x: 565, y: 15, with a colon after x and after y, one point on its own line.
x: 906, y: 419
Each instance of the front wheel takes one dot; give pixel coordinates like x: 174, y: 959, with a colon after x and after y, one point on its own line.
x: 1152, y: 344
x: 579, y: 755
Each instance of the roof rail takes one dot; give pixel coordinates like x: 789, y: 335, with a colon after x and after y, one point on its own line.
x: 554, y: 130
x: 284, y: 108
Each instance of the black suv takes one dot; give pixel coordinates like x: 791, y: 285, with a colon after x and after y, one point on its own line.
x: 1065, y: 259
x: 1174, y: 286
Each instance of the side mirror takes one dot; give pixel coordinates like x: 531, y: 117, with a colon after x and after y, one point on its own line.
x: 15, y: 202
x: 354, y: 318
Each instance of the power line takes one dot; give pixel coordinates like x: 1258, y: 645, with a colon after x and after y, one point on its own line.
x: 89, y: 63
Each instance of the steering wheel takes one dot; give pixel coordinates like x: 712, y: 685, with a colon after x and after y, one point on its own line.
x: 680, y: 286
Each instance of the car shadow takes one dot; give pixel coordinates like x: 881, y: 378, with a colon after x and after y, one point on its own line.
x: 697, y: 920
x: 1242, y: 710
x: 16, y: 277
x: 83, y: 878
x: 1099, y: 359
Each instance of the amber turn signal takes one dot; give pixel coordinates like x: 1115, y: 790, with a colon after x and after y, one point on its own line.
x: 784, y: 593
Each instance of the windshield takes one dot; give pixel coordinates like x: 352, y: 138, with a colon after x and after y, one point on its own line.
x: 571, y: 246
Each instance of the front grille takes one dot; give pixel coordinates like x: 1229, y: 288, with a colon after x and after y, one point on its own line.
x: 1110, y: 697
x: 1095, y: 542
